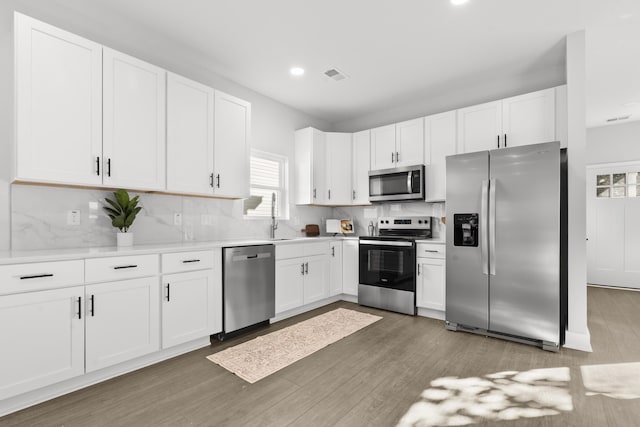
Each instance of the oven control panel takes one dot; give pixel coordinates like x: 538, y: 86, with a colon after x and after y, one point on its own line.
x: 405, y: 223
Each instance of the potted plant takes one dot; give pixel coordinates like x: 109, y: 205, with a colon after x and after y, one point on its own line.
x: 123, y: 211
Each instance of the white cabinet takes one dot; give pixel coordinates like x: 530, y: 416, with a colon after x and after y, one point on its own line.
x: 310, y: 156
x: 431, y: 280
x: 350, y: 269
x: 42, y: 338
x: 335, y: 268
x: 360, y: 172
x: 338, y: 168
x: 189, y: 136
x: 232, y: 130
x: 289, y: 284
x: 519, y: 120
x: 398, y: 145
x: 58, y: 100
x: 316, y: 279
x: 440, y: 142
x: 122, y: 321
x: 134, y: 122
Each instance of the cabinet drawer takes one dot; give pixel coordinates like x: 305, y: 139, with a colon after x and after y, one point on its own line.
x: 186, y: 261
x: 316, y: 248
x: 289, y: 250
x: 41, y: 275
x: 117, y: 268
x: 430, y: 250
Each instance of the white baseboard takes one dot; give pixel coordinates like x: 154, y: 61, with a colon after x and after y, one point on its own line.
x: 578, y: 341
x: 433, y: 314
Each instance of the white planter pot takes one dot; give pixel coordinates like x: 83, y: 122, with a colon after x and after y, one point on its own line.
x: 124, y: 239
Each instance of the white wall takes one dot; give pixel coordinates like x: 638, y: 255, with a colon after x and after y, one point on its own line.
x: 613, y: 143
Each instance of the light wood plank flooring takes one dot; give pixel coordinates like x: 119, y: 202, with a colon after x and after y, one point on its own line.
x: 371, y: 378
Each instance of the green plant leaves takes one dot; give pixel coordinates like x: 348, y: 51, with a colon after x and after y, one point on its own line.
x: 123, y: 210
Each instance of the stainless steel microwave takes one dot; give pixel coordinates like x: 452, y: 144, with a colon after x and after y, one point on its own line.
x: 397, y: 184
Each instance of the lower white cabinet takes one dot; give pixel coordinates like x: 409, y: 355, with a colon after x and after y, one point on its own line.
x: 350, y: 271
x: 122, y: 321
x: 289, y: 284
x: 191, y: 307
x: 431, y: 281
x: 42, y: 336
x: 316, y: 279
x: 335, y: 268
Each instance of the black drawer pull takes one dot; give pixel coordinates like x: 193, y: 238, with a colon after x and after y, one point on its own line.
x: 120, y: 267
x: 93, y: 306
x: 186, y: 261
x: 36, y: 276
x: 79, y: 307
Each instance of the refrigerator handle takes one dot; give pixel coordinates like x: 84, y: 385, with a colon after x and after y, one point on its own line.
x: 484, y: 214
x: 492, y: 226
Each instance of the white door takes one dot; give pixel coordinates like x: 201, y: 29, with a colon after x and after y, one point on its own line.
x: 318, y: 166
x: 134, y: 122
x: 58, y: 100
x: 289, y: 284
x: 303, y: 167
x: 613, y: 209
x: 122, y: 321
x: 232, y: 141
x: 383, y: 147
x: 440, y: 138
x: 361, y: 159
x: 350, y: 267
x: 42, y: 336
x: 335, y: 266
x: 410, y: 143
x: 480, y: 127
x: 338, y: 168
x: 189, y: 136
x: 190, y: 305
x: 529, y: 118
x: 430, y: 292
x: 316, y: 278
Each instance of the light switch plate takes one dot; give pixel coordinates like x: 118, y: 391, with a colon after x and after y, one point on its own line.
x: 73, y: 217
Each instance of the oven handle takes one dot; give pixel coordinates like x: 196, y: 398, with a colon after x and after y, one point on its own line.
x: 385, y: 243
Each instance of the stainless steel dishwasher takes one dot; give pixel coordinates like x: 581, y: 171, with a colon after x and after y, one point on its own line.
x: 249, y: 286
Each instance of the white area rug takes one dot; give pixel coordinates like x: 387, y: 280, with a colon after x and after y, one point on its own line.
x: 262, y: 356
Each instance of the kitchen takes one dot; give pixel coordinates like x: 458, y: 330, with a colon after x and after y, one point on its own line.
x: 31, y: 228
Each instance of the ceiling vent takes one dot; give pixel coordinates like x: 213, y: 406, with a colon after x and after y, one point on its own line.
x: 615, y: 119
x: 335, y: 74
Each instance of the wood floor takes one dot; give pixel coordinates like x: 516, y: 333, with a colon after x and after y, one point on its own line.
x: 371, y: 378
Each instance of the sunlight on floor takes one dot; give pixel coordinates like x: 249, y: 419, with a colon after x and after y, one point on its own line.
x: 453, y: 401
x: 617, y: 380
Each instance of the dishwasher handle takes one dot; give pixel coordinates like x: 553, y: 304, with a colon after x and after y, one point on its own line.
x: 261, y: 255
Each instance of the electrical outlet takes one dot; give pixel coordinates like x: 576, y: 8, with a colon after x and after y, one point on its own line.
x: 73, y: 217
x: 177, y: 218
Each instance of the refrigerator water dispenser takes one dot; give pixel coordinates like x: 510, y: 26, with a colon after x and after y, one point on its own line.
x: 465, y: 229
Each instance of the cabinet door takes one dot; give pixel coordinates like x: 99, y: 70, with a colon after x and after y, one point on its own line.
x: 383, y: 147
x: 316, y: 278
x: 319, y: 169
x: 134, y: 122
x: 430, y: 292
x: 232, y: 141
x: 58, y: 99
x: 338, y: 168
x: 440, y: 137
x: 289, y: 284
x: 309, y: 185
x: 335, y: 266
x: 410, y: 143
x: 361, y: 159
x: 480, y: 127
x: 42, y: 338
x: 529, y: 118
x: 122, y: 321
x: 190, y: 304
x: 189, y: 136
x: 350, y: 272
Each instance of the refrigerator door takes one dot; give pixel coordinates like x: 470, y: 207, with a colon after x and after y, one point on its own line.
x: 524, y: 236
x: 467, y: 273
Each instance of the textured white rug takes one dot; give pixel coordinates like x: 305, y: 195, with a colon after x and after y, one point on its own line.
x: 262, y: 356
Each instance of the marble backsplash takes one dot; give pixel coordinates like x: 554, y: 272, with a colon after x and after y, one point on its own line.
x: 39, y: 219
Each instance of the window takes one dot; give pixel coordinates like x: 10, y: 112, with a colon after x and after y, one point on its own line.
x: 618, y: 185
x: 268, y: 177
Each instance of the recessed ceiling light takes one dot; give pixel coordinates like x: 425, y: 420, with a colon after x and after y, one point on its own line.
x: 458, y: 2
x: 296, y: 71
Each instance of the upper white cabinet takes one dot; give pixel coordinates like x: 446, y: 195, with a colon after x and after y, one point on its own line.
x: 401, y: 144
x: 360, y: 172
x: 189, y: 136
x: 519, y: 120
x: 232, y: 140
x: 134, y: 122
x: 310, y: 157
x: 338, y: 166
x: 58, y: 105
x: 440, y: 142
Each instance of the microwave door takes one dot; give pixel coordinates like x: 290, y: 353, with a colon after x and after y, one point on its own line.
x: 396, y: 184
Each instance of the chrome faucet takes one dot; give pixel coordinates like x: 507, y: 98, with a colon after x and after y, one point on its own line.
x: 274, y: 223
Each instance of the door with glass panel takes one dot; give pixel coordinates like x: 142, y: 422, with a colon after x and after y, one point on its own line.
x: 613, y: 225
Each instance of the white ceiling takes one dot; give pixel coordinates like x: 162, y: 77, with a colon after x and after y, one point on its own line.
x: 393, y: 51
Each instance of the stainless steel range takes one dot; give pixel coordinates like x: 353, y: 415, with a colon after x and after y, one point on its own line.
x: 388, y: 264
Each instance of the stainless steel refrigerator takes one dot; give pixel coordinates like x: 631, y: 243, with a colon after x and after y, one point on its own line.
x: 506, y: 244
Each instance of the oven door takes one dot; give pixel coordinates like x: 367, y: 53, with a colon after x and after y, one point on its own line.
x: 388, y: 264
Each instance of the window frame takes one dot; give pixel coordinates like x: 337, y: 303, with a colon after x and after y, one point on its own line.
x: 283, y: 188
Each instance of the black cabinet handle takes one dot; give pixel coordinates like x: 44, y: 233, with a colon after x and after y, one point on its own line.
x: 109, y: 167
x: 98, y: 166
x: 168, y: 292
x: 418, y: 269
x: 397, y: 157
x: 354, y: 194
x: 306, y: 268
x: 302, y: 269
x: 93, y: 306
x: 218, y: 180
x: 314, y: 193
x: 187, y: 261
x: 79, y: 307
x: 505, y: 140
x: 120, y: 267
x: 329, y: 192
x: 392, y: 157
x: 498, y: 141
x: 211, y: 179
x: 35, y: 276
